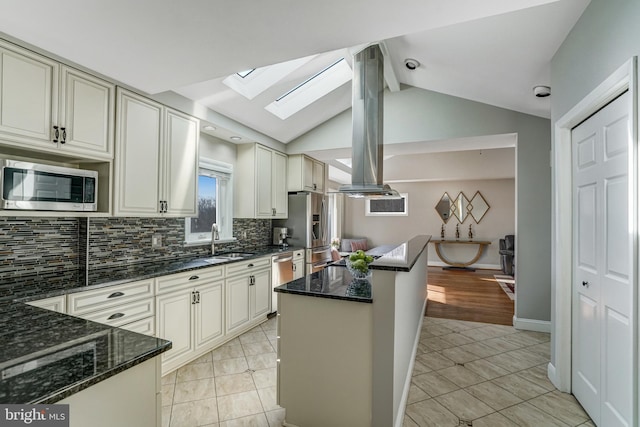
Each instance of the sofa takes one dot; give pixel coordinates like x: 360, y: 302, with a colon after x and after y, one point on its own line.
x: 349, y: 245
x: 507, y: 254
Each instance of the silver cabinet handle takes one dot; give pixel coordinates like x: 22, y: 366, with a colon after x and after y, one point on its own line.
x: 116, y: 295
x: 194, y: 277
x: 115, y: 316
x: 197, y: 297
x: 585, y: 284
x: 56, y: 134
x: 193, y: 297
x: 64, y: 135
x: 250, y: 265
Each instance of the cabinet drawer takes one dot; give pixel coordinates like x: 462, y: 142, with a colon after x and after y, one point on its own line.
x: 188, y: 279
x: 88, y: 301
x: 247, y: 266
x: 58, y: 304
x: 125, y: 313
x: 145, y: 326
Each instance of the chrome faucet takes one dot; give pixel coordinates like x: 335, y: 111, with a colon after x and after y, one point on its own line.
x: 214, y: 236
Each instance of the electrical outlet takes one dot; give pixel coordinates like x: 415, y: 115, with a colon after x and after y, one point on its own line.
x: 244, y: 234
x: 156, y: 241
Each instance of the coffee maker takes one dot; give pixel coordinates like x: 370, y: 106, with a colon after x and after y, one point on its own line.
x: 280, y: 235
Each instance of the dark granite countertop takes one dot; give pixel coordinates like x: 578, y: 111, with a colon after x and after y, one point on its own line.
x: 46, y: 356
x: 332, y: 282
x: 66, y: 282
x: 336, y: 282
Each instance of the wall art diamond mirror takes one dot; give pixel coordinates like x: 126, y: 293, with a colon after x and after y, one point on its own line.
x: 461, y: 207
x: 444, y: 207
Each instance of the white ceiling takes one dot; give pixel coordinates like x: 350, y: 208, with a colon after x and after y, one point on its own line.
x: 492, y: 51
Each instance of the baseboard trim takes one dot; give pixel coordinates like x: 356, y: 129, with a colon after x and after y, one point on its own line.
x: 532, y: 325
x: 551, y: 373
x: 478, y: 266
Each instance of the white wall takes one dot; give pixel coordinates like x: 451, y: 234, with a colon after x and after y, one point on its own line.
x: 217, y: 149
x: 423, y: 218
x: 603, y: 39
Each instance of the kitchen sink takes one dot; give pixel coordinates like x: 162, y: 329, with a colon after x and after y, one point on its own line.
x: 234, y: 255
x: 214, y: 260
x: 230, y: 256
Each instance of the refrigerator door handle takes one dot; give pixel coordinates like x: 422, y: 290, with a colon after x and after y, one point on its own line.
x: 324, y: 214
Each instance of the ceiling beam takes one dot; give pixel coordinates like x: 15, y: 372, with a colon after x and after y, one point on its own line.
x: 389, y: 72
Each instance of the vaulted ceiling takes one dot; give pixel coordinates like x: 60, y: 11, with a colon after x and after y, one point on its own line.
x: 492, y: 51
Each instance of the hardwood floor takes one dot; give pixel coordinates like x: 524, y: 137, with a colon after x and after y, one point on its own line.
x: 464, y: 295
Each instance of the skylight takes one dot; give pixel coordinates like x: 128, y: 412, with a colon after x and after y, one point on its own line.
x: 245, y: 73
x: 312, y: 89
x: 251, y: 83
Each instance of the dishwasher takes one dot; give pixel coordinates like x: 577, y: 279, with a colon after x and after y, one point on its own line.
x: 281, y: 273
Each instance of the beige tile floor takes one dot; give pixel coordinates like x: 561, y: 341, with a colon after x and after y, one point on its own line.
x: 466, y: 374
x: 483, y: 375
x: 231, y: 386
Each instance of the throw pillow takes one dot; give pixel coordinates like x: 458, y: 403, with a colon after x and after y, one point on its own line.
x: 359, y: 245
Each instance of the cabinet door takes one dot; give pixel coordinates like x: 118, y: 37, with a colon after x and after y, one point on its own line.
x: 279, y: 185
x: 28, y: 96
x: 261, y: 293
x: 298, y: 269
x: 86, y: 113
x: 318, y: 176
x: 209, y: 313
x: 173, y: 322
x: 264, y: 199
x: 180, y: 160
x: 137, y: 161
x: 238, y: 313
x: 307, y: 173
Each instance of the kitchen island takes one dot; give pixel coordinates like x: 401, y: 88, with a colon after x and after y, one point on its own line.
x: 346, y: 347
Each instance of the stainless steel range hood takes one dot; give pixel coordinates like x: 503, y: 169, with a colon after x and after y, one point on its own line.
x: 367, y: 119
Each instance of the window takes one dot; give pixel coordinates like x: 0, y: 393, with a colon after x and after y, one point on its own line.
x: 215, y: 203
x: 388, y: 207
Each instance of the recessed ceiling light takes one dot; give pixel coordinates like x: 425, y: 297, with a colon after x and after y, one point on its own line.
x: 541, y: 91
x: 411, y: 64
x: 235, y: 138
x: 209, y: 128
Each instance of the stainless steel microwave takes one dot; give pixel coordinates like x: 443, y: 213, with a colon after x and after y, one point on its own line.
x: 33, y: 186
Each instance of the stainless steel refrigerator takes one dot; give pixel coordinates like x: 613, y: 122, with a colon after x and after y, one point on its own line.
x: 307, y: 226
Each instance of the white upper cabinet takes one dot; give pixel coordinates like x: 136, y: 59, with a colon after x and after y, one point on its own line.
x: 28, y: 95
x: 137, y: 163
x: 86, y: 113
x: 305, y: 174
x: 180, y: 162
x: 261, y: 184
x: 48, y: 107
x: 156, y: 159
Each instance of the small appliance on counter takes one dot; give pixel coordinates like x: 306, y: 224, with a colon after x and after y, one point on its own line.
x: 280, y: 235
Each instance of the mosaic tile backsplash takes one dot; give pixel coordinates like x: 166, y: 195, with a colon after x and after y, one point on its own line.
x: 48, y: 245
x: 39, y: 245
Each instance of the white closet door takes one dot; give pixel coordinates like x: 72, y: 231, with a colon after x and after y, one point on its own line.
x: 603, y: 336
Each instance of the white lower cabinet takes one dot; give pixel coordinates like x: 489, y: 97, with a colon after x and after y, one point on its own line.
x: 191, y: 317
x: 129, y: 306
x: 248, y: 294
x: 298, y: 264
